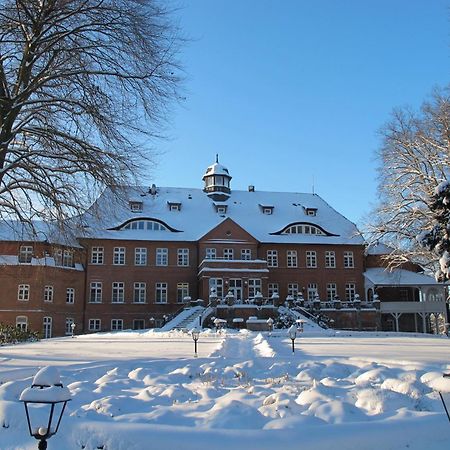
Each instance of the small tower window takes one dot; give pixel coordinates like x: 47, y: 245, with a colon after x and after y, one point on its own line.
x: 311, y: 211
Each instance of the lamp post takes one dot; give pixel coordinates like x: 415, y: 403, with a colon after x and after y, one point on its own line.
x: 292, y: 332
x: 270, y: 323
x: 45, y: 402
x: 72, y: 328
x: 195, y: 335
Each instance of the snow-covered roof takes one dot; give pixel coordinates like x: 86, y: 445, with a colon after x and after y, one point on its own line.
x: 398, y: 277
x: 198, y: 216
x: 216, y: 169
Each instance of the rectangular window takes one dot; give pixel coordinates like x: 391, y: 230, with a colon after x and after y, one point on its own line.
x: 68, y: 326
x: 95, y: 295
x: 48, y: 293
x: 138, y: 324
x: 47, y: 327
x: 254, y: 286
x: 311, y: 259
x: 182, y: 292
x: 292, y: 258
x: 272, y: 288
x: 331, y: 291
x: 119, y: 256
x: 97, y: 254
x: 312, y: 291
x: 116, y: 324
x: 350, y: 291
x: 140, y: 256
x: 70, y: 295
x: 58, y: 257
x: 330, y: 260
x: 23, y: 293
x: 140, y: 292
x: 118, y: 292
x: 95, y: 324
x: 292, y: 289
x: 210, y: 253
x: 246, y: 254
x: 348, y: 260
x: 272, y: 258
x: 161, y: 293
x: 67, y: 258
x: 22, y: 323
x: 183, y: 257
x: 25, y: 254
x: 162, y: 256
x: 228, y: 253
x: 216, y: 287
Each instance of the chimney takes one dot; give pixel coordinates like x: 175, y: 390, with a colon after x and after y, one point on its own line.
x: 251, y: 188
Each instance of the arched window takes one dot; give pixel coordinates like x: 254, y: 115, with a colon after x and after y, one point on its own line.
x: 150, y: 225
x: 303, y: 228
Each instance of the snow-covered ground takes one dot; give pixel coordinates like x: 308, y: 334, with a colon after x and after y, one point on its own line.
x: 145, y: 390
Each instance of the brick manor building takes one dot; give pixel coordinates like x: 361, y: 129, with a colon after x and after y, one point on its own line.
x: 145, y: 254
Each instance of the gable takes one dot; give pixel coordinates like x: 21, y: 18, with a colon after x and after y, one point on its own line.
x: 228, y: 230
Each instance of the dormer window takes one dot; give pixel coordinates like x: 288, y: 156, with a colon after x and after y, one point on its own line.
x: 135, y: 206
x: 311, y: 211
x: 267, y: 209
x: 174, y: 206
x: 221, y: 208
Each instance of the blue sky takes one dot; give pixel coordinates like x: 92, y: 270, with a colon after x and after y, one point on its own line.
x: 292, y: 93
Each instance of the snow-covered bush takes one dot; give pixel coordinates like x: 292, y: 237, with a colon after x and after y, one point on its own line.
x: 10, y: 334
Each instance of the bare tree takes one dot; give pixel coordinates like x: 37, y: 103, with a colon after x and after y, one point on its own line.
x: 84, y: 85
x: 413, y: 179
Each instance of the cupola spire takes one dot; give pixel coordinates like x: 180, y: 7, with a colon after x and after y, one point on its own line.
x: 217, y: 181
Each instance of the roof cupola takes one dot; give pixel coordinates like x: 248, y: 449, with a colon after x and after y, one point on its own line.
x: 217, y: 181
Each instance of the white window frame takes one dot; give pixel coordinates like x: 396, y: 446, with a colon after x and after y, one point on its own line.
x: 140, y: 256
x: 312, y: 290
x: 311, y: 259
x: 97, y: 255
x: 330, y: 259
x: 23, y: 292
x: 161, y: 292
x: 118, y: 292
x: 210, y: 253
x: 95, y: 324
x: 350, y: 291
x: 47, y: 327
x: 254, y: 286
x: 68, y: 325
x: 272, y: 258
x: 48, y: 294
x: 272, y: 288
x: 182, y: 291
x: 331, y: 291
x: 116, y: 324
x: 119, y: 254
x: 183, y: 257
x: 349, y: 260
x: 162, y: 257
x: 95, y: 292
x: 140, y: 292
x: 70, y: 295
x: 246, y: 254
x: 291, y: 258
x: 292, y: 289
x: 228, y: 253
x: 217, y: 285
x: 22, y: 323
x: 25, y: 254
x: 67, y: 258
